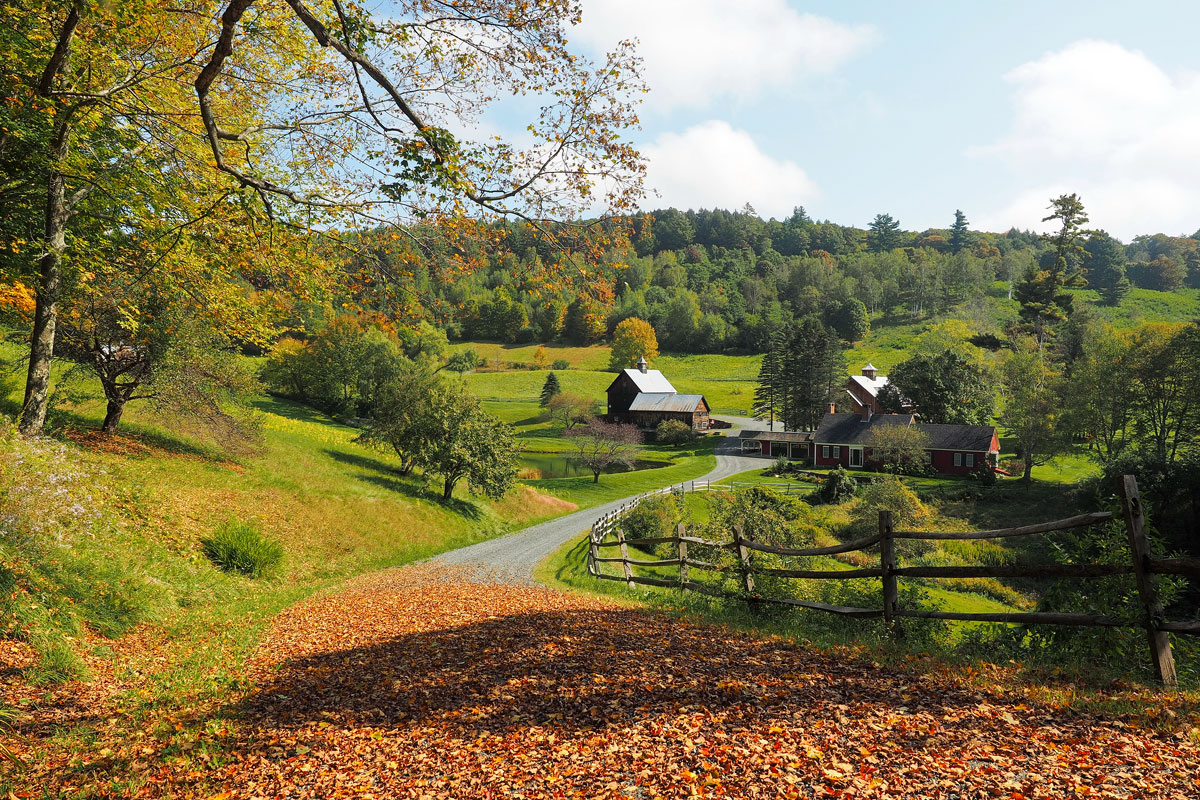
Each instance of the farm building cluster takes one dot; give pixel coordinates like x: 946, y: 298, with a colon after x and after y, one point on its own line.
x: 644, y: 397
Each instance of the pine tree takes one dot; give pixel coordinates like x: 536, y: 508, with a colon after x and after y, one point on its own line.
x: 883, y: 234
x: 550, y: 388
x: 812, y: 368
x: 958, y: 232
x: 1045, y: 301
x: 768, y: 393
x: 1106, y: 267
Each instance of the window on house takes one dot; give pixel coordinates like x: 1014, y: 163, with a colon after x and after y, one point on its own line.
x: 824, y: 451
x: 970, y: 459
x: 928, y: 457
x: 958, y: 459
x: 837, y: 451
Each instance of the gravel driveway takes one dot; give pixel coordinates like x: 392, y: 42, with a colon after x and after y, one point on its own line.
x: 512, y: 558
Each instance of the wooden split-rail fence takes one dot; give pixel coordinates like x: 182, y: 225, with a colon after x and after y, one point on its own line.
x: 607, y: 533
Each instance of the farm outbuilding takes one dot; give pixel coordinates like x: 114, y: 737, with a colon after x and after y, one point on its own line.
x: 644, y: 397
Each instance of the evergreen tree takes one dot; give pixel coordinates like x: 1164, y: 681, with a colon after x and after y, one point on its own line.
x: 769, y: 391
x: 1106, y: 263
x: 812, y: 368
x: 883, y: 234
x: 958, y: 232
x: 1042, y: 293
x: 550, y: 388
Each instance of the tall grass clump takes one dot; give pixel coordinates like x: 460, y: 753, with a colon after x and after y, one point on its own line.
x: 238, y: 546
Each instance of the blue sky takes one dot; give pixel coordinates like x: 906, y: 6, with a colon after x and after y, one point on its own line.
x: 916, y: 109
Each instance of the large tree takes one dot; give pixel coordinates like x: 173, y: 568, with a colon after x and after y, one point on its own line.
x: 1043, y: 293
x: 883, y: 234
x: 1105, y: 261
x: 959, y: 232
x: 464, y: 442
x: 812, y: 367
x: 1033, y: 408
x: 400, y: 420
x: 945, y: 387
x: 633, y: 339
x: 312, y: 117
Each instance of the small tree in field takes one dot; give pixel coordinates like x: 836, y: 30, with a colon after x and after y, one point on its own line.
x: 599, y: 445
x: 633, y: 339
x: 674, y: 433
x: 571, y: 409
x: 399, y: 422
x: 901, y: 448
x: 549, y: 389
x: 462, y: 441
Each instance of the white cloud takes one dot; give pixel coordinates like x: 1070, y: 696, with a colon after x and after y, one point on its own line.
x: 696, y: 51
x: 1106, y: 122
x: 712, y: 165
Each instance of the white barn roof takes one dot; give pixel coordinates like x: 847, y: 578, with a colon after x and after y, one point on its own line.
x: 872, y: 385
x: 651, y: 381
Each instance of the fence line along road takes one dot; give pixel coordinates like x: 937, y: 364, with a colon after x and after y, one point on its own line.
x: 608, y: 532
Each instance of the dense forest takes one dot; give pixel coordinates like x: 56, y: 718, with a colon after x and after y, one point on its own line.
x: 713, y: 281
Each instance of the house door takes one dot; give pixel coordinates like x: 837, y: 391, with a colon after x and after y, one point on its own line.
x: 856, y: 456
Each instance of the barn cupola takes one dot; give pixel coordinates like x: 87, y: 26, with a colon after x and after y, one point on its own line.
x: 641, y: 364
x: 869, y: 371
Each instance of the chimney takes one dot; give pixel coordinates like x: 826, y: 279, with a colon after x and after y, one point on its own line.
x: 641, y: 364
x: 865, y: 412
x: 869, y: 371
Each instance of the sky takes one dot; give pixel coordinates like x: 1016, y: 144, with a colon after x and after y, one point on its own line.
x: 917, y: 109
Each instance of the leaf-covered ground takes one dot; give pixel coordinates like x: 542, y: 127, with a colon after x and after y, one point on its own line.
x: 415, y: 683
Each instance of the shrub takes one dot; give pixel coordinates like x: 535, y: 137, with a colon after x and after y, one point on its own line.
x: 781, y: 466
x: 560, y: 363
x: 653, y: 517
x: 238, y: 546
x: 674, y: 433
x: 889, y: 495
x: 839, y: 486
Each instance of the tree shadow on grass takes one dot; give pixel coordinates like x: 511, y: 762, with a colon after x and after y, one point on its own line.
x: 383, y: 474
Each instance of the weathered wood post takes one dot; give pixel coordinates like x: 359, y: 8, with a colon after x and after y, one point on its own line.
x: 887, y: 563
x: 593, y: 551
x: 680, y: 531
x: 1147, y: 582
x: 625, y: 557
x: 743, y: 552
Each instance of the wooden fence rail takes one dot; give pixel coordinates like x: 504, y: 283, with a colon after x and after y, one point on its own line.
x: 608, y: 532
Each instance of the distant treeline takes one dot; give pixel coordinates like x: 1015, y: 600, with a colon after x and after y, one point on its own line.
x: 710, y: 281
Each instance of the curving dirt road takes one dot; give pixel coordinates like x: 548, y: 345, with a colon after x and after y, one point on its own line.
x: 512, y: 558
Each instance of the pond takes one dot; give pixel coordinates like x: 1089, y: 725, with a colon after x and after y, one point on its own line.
x: 540, y: 466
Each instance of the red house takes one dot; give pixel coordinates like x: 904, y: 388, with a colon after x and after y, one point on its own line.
x: 844, y: 439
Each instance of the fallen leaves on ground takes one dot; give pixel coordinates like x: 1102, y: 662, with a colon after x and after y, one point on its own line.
x: 414, y: 684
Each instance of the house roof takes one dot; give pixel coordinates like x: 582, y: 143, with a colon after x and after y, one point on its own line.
x: 959, y: 437
x: 852, y: 429
x: 777, y: 436
x: 667, y: 401
x: 870, y: 385
x: 650, y: 381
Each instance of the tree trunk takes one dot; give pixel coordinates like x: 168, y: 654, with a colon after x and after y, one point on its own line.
x: 448, y: 490
x: 1027, y: 476
x: 49, y: 288
x: 596, y: 476
x: 112, y: 417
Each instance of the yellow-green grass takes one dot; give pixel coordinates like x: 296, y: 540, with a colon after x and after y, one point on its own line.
x: 337, y: 508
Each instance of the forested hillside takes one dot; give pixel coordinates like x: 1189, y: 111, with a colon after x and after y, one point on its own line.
x: 711, y: 281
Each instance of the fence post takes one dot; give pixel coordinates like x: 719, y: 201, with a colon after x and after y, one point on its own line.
x: 887, y: 563
x: 1147, y: 582
x: 680, y: 531
x: 744, y: 559
x: 625, y: 557
x: 591, y: 559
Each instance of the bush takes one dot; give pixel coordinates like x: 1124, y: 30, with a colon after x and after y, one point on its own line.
x: 674, y: 433
x: 889, y: 495
x: 238, y: 546
x: 653, y: 517
x: 560, y: 363
x: 838, y: 487
x: 781, y: 466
